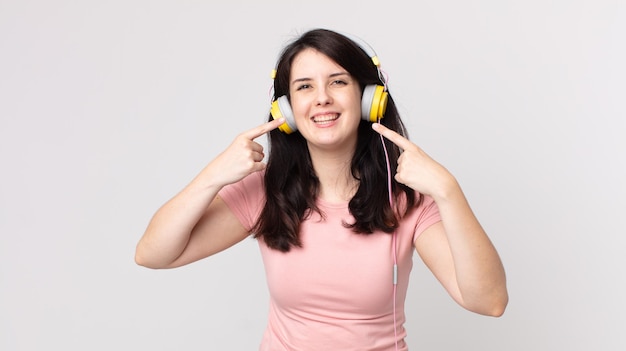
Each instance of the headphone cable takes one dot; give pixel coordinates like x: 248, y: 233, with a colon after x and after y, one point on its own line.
x: 394, y: 244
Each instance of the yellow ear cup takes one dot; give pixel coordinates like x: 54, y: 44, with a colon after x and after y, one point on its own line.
x: 373, y: 103
x: 281, y: 108
x: 379, y: 104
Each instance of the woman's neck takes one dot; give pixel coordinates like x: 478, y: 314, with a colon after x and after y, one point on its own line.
x: 333, y: 171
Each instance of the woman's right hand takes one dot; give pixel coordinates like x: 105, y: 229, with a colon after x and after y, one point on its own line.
x: 192, y: 224
x: 243, y: 157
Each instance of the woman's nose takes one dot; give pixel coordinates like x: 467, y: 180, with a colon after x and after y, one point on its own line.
x: 323, y: 97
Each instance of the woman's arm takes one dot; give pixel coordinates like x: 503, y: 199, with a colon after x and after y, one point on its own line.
x: 459, y: 253
x: 196, y: 223
x: 457, y: 250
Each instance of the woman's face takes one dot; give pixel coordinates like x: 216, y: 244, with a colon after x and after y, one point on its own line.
x: 326, y: 101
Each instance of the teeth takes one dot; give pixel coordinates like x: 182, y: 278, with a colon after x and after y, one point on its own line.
x: 325, y: 118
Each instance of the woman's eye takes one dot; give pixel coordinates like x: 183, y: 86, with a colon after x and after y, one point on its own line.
x: 340, y: 82
x: 303, y: 86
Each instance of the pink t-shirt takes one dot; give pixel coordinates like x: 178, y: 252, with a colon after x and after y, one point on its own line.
x: 336, y: 292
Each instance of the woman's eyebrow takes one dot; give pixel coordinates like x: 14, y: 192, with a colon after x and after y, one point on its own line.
x: 298, y: 80
x: 306, y: 79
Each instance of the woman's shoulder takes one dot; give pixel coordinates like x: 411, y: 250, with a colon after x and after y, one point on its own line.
x: 422, y: 215
x: 252, y: 182
x: 424, y: 205
x: 245, y: 198
x: 249, y: 189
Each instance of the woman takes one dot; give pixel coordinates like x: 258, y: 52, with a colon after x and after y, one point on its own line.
x: 338, y: 210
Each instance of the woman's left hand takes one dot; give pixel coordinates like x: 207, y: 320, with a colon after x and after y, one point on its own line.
x: 458, y: 251
x: 415, y: 168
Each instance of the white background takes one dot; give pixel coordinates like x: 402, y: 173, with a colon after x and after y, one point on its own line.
x: 108, y: 108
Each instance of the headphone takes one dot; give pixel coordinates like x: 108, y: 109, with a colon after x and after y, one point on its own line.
x: 373, y: 101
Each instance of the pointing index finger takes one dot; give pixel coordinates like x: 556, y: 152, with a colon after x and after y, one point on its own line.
x: 263, y: 128
x: 394, y: 137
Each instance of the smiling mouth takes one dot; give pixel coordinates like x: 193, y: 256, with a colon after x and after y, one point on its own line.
x: 325, y: 119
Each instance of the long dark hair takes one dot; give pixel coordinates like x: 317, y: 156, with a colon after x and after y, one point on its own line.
x: 291, y: 185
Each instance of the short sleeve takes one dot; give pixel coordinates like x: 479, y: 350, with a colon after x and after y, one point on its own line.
x: 245, y: 199
x: 427, y: 215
